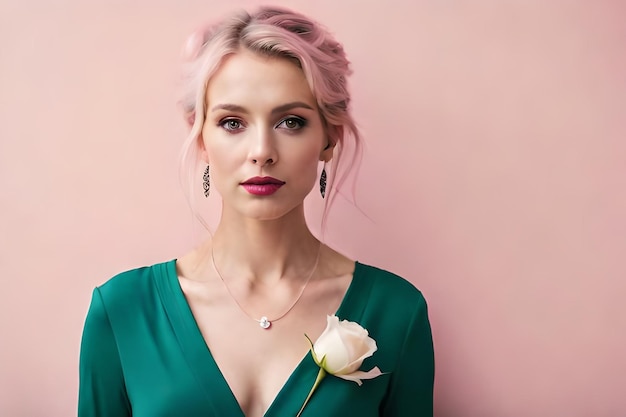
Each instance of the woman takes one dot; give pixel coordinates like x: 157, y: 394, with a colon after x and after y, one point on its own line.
x: 221, y: 331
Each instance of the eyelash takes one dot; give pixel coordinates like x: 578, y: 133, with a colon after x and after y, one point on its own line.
x: 301, y: 123
x: 224, y: 124
x: 299, y: 120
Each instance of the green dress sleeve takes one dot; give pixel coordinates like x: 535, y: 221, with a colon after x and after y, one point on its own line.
x: 410, y: 392
x: 102, y: 391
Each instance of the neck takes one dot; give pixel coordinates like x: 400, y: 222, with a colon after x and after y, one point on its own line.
x: 265, y: 250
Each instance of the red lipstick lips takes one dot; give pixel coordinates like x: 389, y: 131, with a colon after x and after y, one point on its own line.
x: 262, y: 185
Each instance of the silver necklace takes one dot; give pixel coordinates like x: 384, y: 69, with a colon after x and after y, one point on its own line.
x: 264, y: 322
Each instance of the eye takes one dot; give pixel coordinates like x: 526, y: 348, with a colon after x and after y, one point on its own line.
x: 231, y: 125
x: 292, y: 123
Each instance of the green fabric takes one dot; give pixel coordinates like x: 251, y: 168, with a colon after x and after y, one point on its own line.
x: 142, y: 354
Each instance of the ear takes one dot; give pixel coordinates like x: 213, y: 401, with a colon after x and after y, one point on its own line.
x: 327, y: 152
x: 334, y: 132
x: 204, y: 155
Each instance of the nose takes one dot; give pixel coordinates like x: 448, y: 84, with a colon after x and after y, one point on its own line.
x: 263, y: 148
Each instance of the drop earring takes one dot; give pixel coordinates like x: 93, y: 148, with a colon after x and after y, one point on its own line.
x: 206, y: 182
x: 323, y: 181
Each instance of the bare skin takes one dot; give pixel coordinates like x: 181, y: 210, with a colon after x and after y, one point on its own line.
x: 262, y: 245
x: 255, y: 362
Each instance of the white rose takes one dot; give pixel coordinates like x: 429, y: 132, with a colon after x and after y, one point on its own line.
x: 341, y: 349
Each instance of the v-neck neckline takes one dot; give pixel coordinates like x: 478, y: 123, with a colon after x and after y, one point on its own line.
x: 202, y: 363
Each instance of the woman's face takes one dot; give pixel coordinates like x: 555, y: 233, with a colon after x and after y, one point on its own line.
x: 262, y: 136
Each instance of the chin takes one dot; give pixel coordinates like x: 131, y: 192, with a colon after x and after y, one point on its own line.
x: 270, y: 215
x: 270, y: 212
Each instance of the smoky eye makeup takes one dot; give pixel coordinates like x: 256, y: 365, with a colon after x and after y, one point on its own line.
x: 231, y: 124
x: 292, y: 123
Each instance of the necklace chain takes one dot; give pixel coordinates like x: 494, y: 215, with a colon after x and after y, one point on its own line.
x: 264, y: 322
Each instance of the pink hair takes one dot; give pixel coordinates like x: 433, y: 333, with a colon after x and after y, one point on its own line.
x: 281, y: 33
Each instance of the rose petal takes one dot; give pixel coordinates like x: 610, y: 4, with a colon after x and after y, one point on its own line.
x: 367, y: 349
x: 354, y: 343
x: 355, y: 328
x: 359, y: 375
x: 343, y: 346
x: 330, y: 346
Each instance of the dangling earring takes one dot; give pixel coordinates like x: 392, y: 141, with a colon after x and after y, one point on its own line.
x: 206, y: 183
x: 323, y: 181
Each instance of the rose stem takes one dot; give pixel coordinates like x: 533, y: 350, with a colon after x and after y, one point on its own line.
x: 320, y: 375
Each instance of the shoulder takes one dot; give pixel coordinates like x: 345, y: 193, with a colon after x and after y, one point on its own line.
x: 386, y: 284
x: 134, y: 286
x: 387, y: 300
x: 133, y: 278
x: 395, y: 314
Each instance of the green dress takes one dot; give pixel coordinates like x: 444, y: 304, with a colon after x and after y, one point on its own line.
x: 142, y: 354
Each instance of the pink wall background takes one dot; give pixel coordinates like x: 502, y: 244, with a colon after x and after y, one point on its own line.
x: 494, y: 179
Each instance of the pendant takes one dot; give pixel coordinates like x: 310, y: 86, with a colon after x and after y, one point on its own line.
x: 265, y: 323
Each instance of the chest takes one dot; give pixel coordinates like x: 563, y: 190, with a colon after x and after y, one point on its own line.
x: 207, y: 359
x: 257, y: 363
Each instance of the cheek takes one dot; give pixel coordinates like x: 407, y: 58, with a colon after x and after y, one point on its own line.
x: 305, y: 171
x: 224, y: 167
x: 219, y: 152
x: 307, y: 159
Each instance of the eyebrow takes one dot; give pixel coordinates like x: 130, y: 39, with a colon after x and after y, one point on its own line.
x: 279, y: 109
